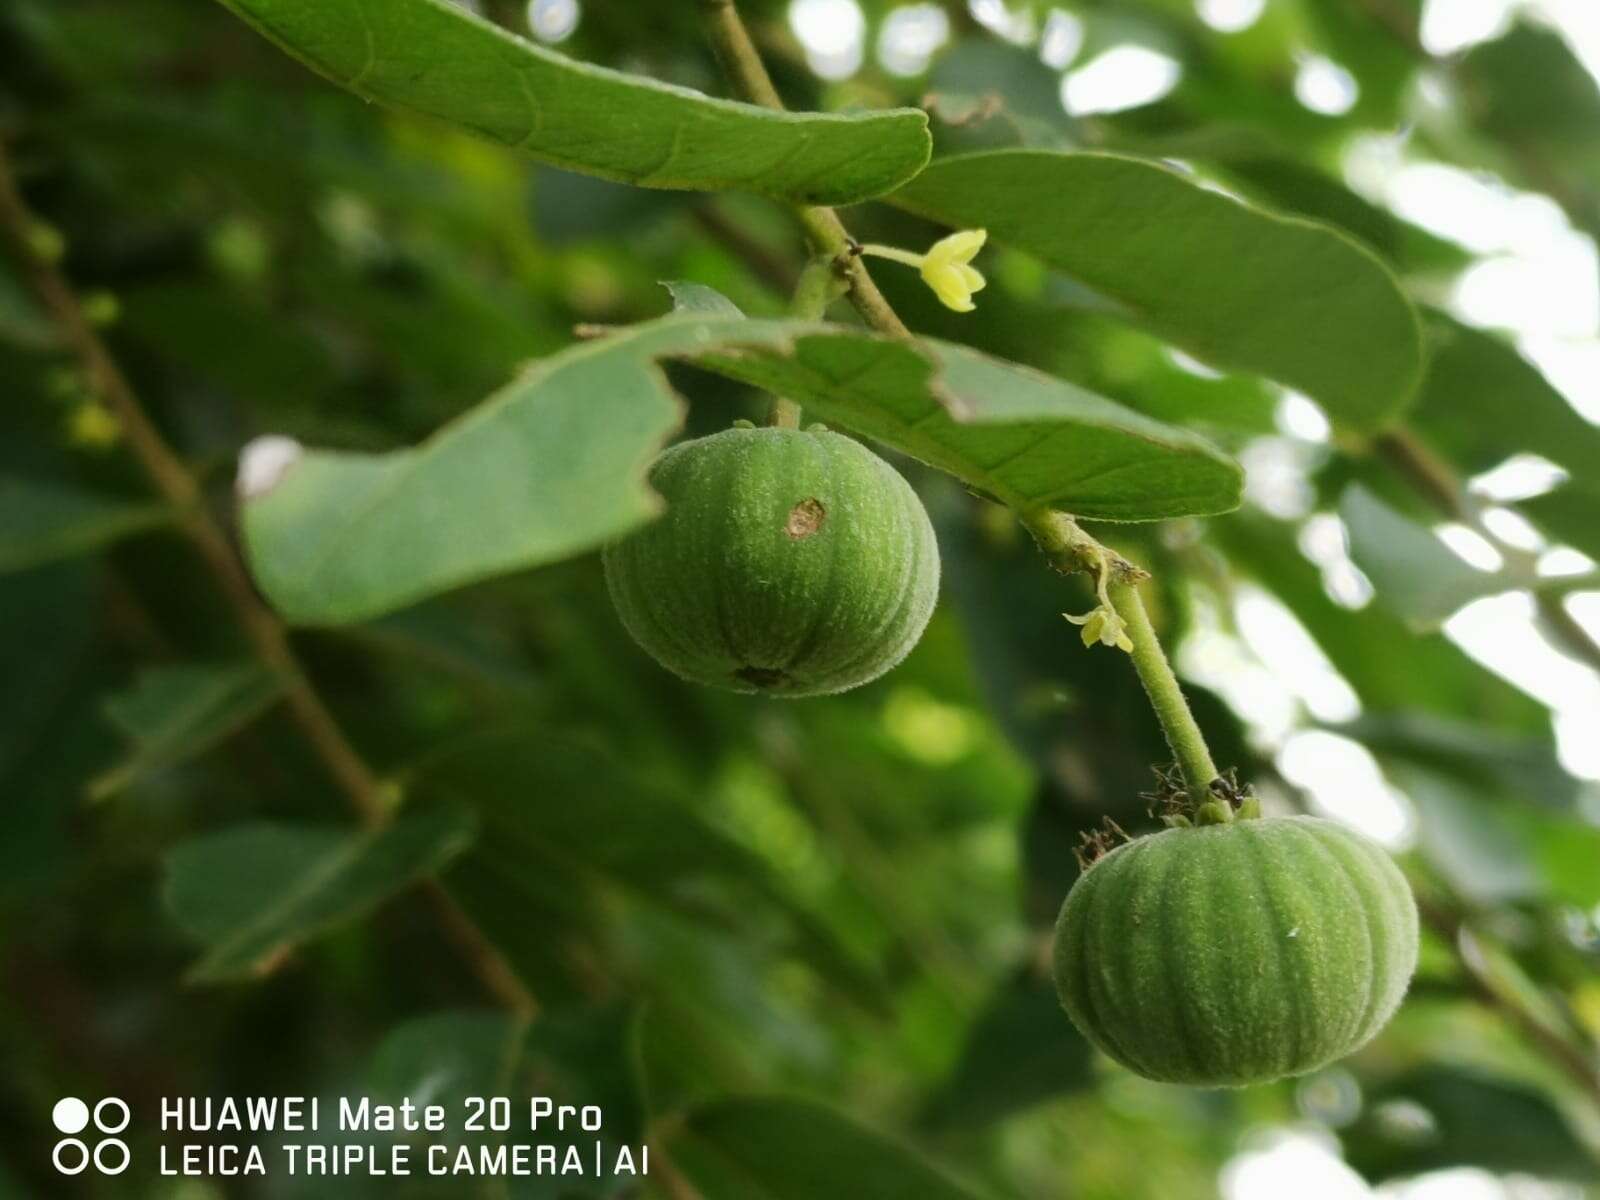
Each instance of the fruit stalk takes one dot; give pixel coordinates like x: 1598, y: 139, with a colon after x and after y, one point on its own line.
x: 1166, y: 696
x: 818, y: 287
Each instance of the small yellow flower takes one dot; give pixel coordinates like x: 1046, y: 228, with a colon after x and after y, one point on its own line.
x: 1104, y: 626
x: 93, y: 426
x: 946, y: 267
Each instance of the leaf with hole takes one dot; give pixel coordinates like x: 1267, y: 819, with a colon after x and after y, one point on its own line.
x: 553, y: 465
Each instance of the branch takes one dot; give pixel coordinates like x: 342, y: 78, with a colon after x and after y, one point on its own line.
x: 826, y: 232
x: 267, y: 635
x: 1438, y: 483
x: 1582, y: 1067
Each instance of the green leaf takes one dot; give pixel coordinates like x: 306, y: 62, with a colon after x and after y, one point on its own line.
x: 252, y: 893
x: 1437, y: 1117
x: 1570, y: 514
x: 1473, y: 844
x: 434, y: 58
x: 584, y: 818
x: 43, y: 522
x: 1475, y: 380
x: 584, y: 1056
x: 1028, y: 439
x: 550, y: 466
x: 1415, y: 574
x: 781, y: 1149
x: 1389, y: 664
x: 174, y: 714
x: 1523, y: 767
x: 554, y: 464
x: 445, y: 1057
x: 1238, y: 287
x: 696, y: 299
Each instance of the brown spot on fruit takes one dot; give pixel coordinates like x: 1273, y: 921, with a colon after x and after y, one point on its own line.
x: 805, y: 519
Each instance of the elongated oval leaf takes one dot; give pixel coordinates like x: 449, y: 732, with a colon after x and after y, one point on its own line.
x: 1027, y: 439
x: 174, y: 713
x: 1416, y: 575
x: 254, y: 891
x: 554, y: 465
x: 781, y: 1149
x: 41, y: 522
x: 1237, y: 286
x: 435, y: 58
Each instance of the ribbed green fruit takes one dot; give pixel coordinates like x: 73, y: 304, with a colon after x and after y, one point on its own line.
x: 1225, y: 955
x: 790, y: 563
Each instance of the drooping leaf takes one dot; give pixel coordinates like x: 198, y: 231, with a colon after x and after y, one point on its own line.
x: 173, y: 714
x: 550, y: 466
x: 251, y: 893
x: 1236, y: 286
x: 781, y: 1149
x: 435, y: 58
x: 42, y: 522
x: 1414, y: 573
x: 1026, y: 438
x: 554, y: 464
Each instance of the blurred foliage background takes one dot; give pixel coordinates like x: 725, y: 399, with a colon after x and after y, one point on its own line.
x: 846, y: 900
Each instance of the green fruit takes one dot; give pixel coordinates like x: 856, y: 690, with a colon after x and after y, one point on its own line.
x: 790, y: 563
x: 1224, y: 955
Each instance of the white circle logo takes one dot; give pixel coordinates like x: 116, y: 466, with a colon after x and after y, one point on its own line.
x: 70, y: 1115
x: 103, y: 1123
x: 121, y: 1147
x: 72, y: 1155
x: 75, y: 1145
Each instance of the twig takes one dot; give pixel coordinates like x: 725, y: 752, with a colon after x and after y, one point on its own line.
x: 823, y: 228
x: 1583, y: 1068
x: 265, y: 632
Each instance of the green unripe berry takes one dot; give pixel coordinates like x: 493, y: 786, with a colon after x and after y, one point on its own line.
x: 1230, y: 954
x: 788, y: 563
